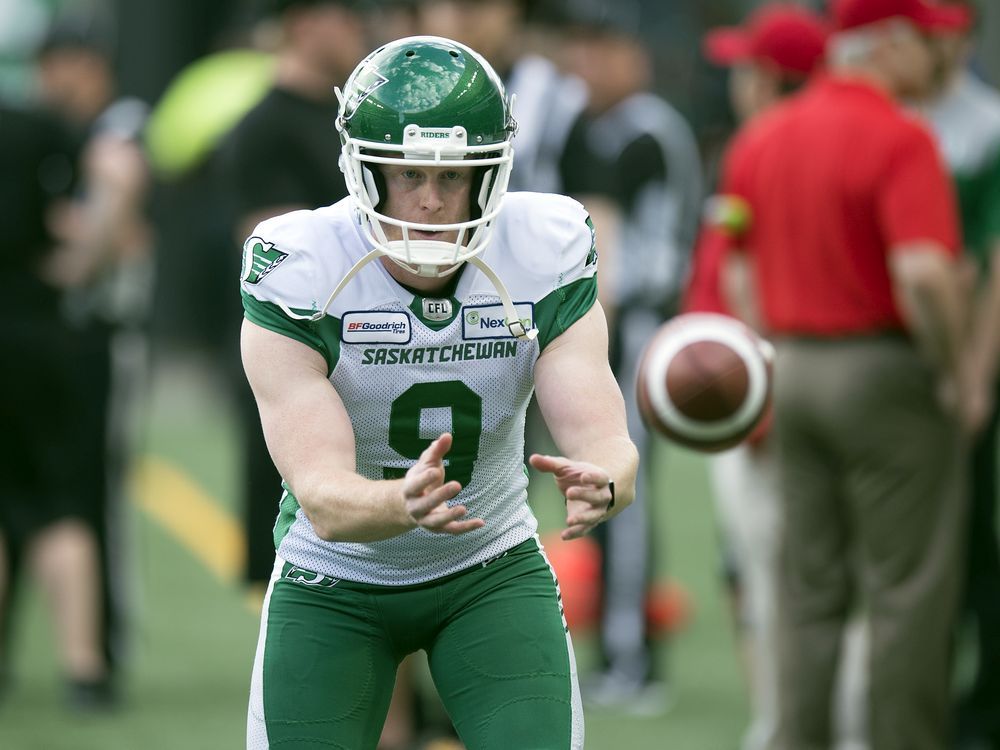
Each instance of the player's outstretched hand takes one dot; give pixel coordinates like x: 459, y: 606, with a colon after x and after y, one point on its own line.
x: 426, y: 494
x: 585, y: 487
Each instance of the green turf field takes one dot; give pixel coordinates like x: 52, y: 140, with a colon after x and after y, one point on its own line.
x: 194, y: 632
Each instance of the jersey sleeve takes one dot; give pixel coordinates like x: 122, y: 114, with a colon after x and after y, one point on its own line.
x: 573, y: 273
x: 917, y: 201
x: 279, y: 276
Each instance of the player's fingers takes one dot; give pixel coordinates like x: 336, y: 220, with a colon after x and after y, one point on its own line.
x: 444, y: 518
x: 574, y: 532
x: 595, y: 478
x: 442, y: 514
x: 462, y: 527
x: 437, y: 450
x: 591, y: 495
x: 590, y: 517
x: 419, y: 482
x: 548, y: 464
x: 423, y: 505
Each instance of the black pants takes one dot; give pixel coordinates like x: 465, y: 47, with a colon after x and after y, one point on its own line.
x: 55, y: 386
x: 979, y: 712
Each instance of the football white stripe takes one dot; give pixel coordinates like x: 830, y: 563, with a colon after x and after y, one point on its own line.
x: 726, y: 331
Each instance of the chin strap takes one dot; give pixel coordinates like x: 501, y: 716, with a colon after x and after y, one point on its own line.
x: 514, y: 324
x: 339, y: 288
x: 513, y: 321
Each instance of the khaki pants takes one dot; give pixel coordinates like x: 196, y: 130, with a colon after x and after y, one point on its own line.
x: 745, y: 483
x: 873, y: 500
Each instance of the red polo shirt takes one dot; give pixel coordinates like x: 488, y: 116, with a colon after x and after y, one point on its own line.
x: 836, y: 179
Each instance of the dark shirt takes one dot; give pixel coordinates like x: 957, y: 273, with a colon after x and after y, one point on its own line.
x: 37, y: 158
x: 284, y: 152
x: 620, y: 176
x: 641, y: 155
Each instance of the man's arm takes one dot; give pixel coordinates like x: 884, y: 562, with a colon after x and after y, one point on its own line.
x: 931, y: 299
x: 985, y: 341
x: 109, y: 222
x: 311, y: 440
x: 585, y: 413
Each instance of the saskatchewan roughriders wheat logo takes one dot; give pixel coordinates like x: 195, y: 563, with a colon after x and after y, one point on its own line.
x: 259, y: 259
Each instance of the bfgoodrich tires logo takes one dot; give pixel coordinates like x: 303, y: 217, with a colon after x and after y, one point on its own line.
x: 375, y: 328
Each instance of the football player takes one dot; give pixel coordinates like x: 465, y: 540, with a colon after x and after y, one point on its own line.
x: 393, y: 341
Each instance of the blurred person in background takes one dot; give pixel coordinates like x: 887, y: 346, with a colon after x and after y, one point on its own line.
x: 511, y: 35
x: 965, y: 115
x: 633, y: 161
x: 393, y: 19
x: 853, y: 249
x: 103, y: 263
x: 771, y: 57
x: 279, y: 157
x: 393, y: 371
x: 46, y: 513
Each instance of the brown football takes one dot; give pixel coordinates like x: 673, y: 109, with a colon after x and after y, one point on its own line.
x: 705, y: 381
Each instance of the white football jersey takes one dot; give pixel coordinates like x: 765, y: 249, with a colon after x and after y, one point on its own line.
x: 409, y: 368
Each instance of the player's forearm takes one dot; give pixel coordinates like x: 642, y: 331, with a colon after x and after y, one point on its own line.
x: 346, y: 507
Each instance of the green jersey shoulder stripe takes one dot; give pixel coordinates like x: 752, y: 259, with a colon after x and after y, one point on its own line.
x: 560, y: 309
x: 323, y: 335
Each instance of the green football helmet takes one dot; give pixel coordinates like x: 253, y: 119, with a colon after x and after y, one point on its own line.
x: 426, y: 101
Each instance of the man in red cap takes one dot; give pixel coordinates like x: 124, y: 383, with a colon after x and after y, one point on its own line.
x: 853, y: 242
x: 771, y: 56
x: 779, y: 47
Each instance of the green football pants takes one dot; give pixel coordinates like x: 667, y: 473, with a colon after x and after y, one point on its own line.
x: 496, y: 641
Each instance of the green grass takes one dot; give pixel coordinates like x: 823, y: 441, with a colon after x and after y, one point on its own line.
x: 194, y: 636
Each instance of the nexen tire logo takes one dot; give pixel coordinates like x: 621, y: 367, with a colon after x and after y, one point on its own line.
x: 375, y: 328
x: 489, y: 321
x: 492, y: 323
